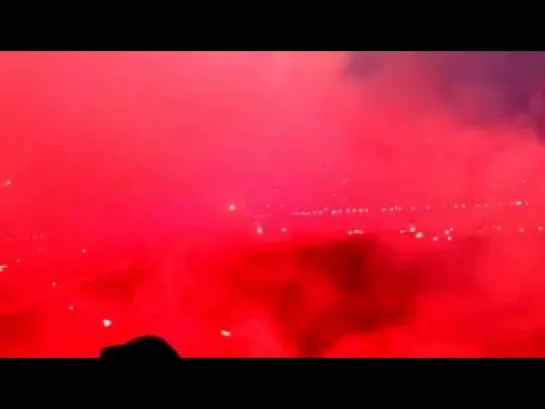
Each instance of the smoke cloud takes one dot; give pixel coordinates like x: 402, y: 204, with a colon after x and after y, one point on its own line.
x: 122, y: 146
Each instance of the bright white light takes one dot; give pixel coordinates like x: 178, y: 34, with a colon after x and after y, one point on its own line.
x: 232, y: 207
x: 225, y: 333
x: 3, y: 268
x: 419, y: 235
x: 106, y: 323
x: 284, y: 230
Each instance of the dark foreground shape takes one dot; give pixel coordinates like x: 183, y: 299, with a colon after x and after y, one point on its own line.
x: 142, y: 348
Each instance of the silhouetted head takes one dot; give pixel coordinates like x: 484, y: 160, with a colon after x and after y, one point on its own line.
x: 147, y: 347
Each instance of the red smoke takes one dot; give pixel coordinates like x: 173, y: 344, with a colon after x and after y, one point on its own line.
x: 127, y: 163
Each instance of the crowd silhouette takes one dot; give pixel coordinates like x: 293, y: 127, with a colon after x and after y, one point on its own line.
x: 147, y: 348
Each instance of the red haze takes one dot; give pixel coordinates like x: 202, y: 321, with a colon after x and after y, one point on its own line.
x: 127, y: 163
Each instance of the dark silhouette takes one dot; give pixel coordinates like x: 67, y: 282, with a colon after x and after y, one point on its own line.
x: 141, y: 348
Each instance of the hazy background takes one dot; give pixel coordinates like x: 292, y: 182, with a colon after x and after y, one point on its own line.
x: 134, y: 133
x: 120, y: 144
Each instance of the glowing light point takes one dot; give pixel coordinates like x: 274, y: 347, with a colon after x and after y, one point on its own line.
x: 259, y: 230
x: 225, y: 333
x: 8, y: 182
x: 3, y: 268
x: 70, y: 308
x: 84, y: 251
x: 419, y: 235
x: 435, y: 238
x: 106, y: 323
x: 232, y: 207
x: 54, y: 284
x: 284, y: 230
